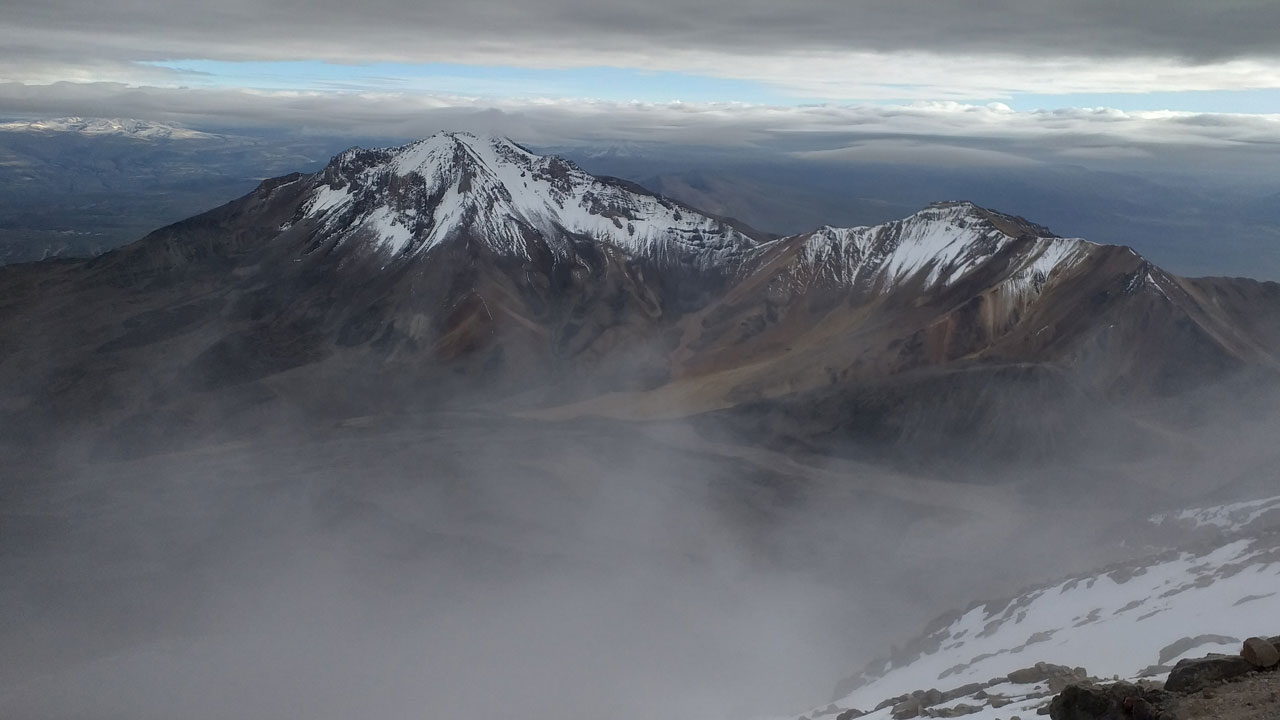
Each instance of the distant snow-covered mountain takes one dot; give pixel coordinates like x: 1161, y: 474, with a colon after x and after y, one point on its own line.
x: 125, y: 127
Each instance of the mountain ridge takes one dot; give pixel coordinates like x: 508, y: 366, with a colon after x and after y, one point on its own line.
x: 522, y: 277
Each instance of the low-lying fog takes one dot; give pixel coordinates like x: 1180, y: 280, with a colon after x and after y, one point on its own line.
x: 464, y: 565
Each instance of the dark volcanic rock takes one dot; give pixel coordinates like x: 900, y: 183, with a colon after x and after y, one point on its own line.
x: 906, y: 709
x: 1120, y: 701
x: 1085, y: 703
x: 914, y: 705
x: 1044, y: 671
x: 962, y: 691
x: 1192, y: 675
x: 1025, y: 676
x: 1062, y: 680
x: 891, y: 702
x: 1260, y: 652
x: 951, y: 712
x: 1139, y: 709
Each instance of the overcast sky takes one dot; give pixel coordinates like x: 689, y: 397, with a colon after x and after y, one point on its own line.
x: 713, y: 70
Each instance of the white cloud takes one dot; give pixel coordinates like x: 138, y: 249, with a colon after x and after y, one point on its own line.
x: 990, y: 132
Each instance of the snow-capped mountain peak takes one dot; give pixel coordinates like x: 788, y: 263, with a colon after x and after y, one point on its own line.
x: 936, y: 247
x: 402, y: 202
x: 409, y: 199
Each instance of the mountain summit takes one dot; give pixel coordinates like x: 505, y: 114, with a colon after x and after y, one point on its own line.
x: 407, y: 200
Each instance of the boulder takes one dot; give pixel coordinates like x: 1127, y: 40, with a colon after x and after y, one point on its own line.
x: 1040, y: 672
x: 1025, y: 676
x: 1260, y: 653
x: 891, y: 702
x: 850, y: 714
x: 1061, y: 681
x: 1193, y: 675
x: 1139, y: 709
x: 906, y: 709
x: 1120, y: 701
x: 962, y: 691
x: 913, y: 705
x: 1084, y: 702
x: 956, y: 711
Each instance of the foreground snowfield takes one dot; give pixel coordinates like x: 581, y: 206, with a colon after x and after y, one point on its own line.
x: 1131, y: 620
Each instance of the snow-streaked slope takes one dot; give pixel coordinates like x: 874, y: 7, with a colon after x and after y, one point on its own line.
x: 1111, y: 624
x: 1230, y: 518
x: 409, y: 199
x: 125, y: 127
x: 1119, y: 621
x: 937, y: 247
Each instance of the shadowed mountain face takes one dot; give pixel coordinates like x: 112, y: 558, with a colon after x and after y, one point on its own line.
x: 459, y: 268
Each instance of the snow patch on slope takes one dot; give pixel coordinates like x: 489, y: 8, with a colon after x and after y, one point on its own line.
x: 1230, y: 518
x: 1051, y: 255
x: 941, y: 242
x: 837, y: 256
x: 1112, y: 623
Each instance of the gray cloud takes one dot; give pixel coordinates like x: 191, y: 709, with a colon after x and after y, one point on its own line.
x: 812, y: 48
x: 1189, y: 29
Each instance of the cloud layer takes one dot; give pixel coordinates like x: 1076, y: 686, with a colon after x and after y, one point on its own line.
x: 919, y: 49
x: 968, y: 134
x: 1188, y: 29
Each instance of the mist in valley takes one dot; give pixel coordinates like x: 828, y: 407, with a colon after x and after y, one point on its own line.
x: 478, y: 563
